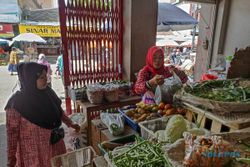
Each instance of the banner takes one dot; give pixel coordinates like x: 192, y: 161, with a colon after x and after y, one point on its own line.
x: 43, y: 31
x: 6, y: 31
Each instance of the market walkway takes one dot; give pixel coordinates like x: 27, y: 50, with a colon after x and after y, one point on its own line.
x: 7, y: 82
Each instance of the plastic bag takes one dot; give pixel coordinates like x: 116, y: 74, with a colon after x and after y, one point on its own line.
x: 95, y: 93
x: 75, y: 140
x: 165, y: 92
x: 114, y: 122
x: 148, y: 98
x: 111, y: 92
x: 206, y: 151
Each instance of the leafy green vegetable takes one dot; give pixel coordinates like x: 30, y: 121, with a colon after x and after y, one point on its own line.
x: 221, y: 90
x: 175, y: 128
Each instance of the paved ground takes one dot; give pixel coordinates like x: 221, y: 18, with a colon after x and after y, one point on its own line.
x: 7, y: 83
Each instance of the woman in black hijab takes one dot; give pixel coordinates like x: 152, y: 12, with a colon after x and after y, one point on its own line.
x: 34, y: 116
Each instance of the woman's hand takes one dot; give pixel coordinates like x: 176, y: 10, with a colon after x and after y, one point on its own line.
x: 76, y: 127
x: 181, y: 74
x: 156, y: 80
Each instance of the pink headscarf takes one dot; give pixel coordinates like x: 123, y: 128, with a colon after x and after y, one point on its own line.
x: 149, y: 61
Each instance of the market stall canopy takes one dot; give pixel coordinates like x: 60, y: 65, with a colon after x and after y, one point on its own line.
x: 171, y: 17
x: 167, y: 42
x: 29, y: 37
x: 189, y: 43
x: 4, y: 41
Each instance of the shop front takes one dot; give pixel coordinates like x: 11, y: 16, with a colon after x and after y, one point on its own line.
x: 50, y: 33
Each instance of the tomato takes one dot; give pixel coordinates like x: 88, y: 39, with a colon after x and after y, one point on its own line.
x: 161, y: 106
x: 167, y: 106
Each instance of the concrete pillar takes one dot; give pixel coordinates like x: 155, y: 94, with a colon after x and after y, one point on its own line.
x: 139, y: 28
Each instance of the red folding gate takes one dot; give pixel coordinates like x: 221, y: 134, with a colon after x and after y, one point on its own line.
x: 92, y: 42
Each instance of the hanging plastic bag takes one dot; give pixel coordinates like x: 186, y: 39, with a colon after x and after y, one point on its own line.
x: 114, y: 122
x: 148, y: 98
x: 165, y: 92
x: 75, y: 140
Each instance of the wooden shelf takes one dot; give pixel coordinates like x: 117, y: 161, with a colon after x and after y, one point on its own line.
x: 87, y: 106
x: 92, y: 110
x: 234, y: 121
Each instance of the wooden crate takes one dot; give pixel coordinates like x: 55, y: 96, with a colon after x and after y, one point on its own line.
x: 217, y: 123
x: 100, y: 162
x: 96, y: 127
x: 106, y: 135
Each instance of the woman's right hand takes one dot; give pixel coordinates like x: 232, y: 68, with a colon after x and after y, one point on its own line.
x: 156, y: 80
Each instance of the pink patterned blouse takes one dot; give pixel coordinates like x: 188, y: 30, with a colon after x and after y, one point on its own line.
x: 144, y: 76
x: 28, y: 144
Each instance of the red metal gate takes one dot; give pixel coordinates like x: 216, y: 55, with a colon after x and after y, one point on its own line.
x: 92, y: 42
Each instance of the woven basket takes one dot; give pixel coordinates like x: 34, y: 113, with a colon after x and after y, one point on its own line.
x: 78, y: 158
x: 111, y: 95
x: 95, y: 97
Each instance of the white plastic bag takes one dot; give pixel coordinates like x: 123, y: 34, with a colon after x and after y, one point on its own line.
x: 75, y: 140
x: 165, y: 92
x: 148, y: 98
x: 114, y: 122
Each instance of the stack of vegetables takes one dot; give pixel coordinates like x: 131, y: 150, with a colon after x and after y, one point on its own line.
x: 144, y: 112
x: 222, y: 90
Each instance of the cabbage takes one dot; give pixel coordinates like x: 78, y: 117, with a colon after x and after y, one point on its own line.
x: 160, y: 134
x: 175, y: 128
x: 197, y: 131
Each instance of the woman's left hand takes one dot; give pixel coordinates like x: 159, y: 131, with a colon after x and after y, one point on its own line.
x: 76, y: 127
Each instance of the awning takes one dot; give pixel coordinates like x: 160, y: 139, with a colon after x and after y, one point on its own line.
x: 171, y: 17
x: 167, y: 42
x: 29, y: 37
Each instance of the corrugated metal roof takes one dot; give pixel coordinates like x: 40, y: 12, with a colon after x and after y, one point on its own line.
x: 44, y: 15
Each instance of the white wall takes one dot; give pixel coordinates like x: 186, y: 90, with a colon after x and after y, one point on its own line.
x: 238, y: 30
x: 237, y: 36
x: 238, y: 33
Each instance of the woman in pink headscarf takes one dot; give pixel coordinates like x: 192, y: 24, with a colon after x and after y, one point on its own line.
x: 154, y: 73
x: 42, y: 60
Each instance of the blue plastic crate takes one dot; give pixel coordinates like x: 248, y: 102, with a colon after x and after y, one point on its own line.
x: 134, y: 125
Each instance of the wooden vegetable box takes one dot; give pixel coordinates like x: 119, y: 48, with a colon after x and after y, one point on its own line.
x: 217, y: 123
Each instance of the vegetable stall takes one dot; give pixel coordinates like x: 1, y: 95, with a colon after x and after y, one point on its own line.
x: 206, y: 124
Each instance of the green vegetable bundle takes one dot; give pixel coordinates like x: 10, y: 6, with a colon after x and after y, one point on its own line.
x: 141, y: 154
x: 221, y: 90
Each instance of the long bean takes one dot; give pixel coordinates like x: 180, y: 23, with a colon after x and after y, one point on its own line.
x: 143, y: 153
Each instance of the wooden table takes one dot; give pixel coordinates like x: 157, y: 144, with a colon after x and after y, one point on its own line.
x: 94, y: 109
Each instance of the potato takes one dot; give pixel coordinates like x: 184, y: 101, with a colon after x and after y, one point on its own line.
x: 141, y: 111
x: 142, y: 118
x: 129, y: 113
x: 170, y: 111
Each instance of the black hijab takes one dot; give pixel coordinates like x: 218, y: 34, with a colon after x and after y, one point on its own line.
x: 41, y: 107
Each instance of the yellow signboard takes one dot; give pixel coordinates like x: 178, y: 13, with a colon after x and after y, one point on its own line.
x: 43, y: 31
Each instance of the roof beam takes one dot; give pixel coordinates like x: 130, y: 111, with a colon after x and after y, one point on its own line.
x: 200, y: 1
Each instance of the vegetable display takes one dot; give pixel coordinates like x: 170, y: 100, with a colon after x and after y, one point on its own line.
x: 221, y: 90
x: 144, y: 112
x: 175, y: 127
x: 141, y: 154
